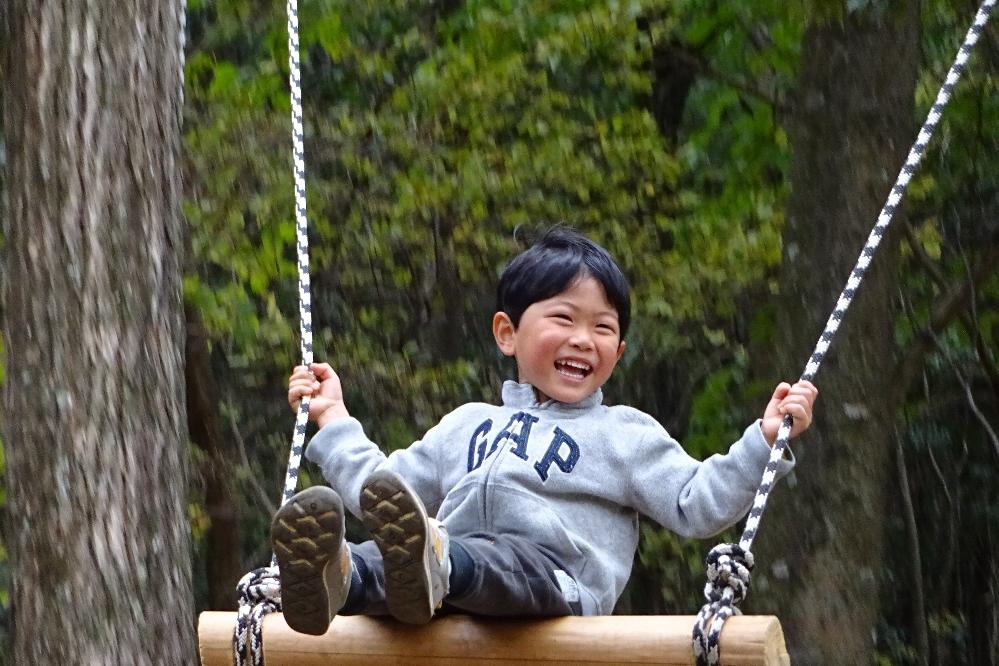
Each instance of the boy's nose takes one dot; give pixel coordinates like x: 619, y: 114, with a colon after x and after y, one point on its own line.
x: 581, y: 340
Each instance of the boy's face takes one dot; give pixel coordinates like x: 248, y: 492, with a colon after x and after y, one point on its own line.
x: 565, y: 346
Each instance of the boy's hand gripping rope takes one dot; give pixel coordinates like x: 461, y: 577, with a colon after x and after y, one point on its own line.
x: 729, y: 565
x: 260, y: 590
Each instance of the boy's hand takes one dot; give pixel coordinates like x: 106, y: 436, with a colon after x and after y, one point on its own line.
x: 319, y: 381
x: 795, y: 400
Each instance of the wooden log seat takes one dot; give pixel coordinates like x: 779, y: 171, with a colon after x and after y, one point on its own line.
x: 460, y: 639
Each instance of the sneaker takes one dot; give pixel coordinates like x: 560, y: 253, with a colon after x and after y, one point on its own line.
x: 414, y: 547
x: 313, y: 559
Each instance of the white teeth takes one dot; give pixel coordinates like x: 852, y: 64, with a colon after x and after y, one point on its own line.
x: 576, y: 364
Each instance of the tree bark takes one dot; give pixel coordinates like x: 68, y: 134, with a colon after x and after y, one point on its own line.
x: 821, y: 544
x: 93, y: 399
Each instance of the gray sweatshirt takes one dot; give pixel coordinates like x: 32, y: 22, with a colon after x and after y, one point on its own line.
x: 572, y: 478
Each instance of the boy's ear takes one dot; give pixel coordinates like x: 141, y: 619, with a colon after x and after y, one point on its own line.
x: 505, y: 333
x: 620, y: 351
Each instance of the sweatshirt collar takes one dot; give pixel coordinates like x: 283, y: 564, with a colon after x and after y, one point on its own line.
x: 522, y: 395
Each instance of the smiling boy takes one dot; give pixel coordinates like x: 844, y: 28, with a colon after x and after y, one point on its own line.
x: 566, y: 346
x: 526, y: 508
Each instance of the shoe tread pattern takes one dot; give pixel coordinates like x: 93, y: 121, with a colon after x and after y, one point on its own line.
x: 306, y: 534
x: 399, y: 528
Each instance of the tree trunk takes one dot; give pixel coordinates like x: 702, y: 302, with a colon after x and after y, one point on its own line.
x: 93, y: 399
x: 821, y: 544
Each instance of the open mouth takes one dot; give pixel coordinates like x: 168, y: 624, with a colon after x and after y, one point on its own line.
x: 573, y: 369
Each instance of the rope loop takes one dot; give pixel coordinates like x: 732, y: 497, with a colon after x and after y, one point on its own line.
x: 728, y: 569
x: 259, y: 594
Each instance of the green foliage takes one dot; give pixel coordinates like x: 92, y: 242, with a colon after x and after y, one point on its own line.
x: 719, y: 411
x: 733, y: 152
x: 440, y: 138
x: 678, y: 564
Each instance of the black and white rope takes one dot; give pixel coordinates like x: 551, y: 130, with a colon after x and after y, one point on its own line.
x: 729, y: 565
x: 259, y: 593
x: 181, y: 48
x: 260, y: 590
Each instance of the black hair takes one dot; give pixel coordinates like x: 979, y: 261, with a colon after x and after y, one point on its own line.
x: 550, y: 266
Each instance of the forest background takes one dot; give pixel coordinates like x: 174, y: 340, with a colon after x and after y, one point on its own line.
x: 732, y: 156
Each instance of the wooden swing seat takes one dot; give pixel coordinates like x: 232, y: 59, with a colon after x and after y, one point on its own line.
x: 460, y: 639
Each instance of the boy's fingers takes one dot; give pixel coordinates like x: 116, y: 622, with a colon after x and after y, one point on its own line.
x: 798, y: 411
x: 801, y: 394
x: 781, y: 391
x: 790, y: 400
x: 299, y: 374
x: 306, y: 384
x: 321, y: 370
x: 798, y: 402
x: 806, y: 387
x: 303, y: 388
x: 801, y: 416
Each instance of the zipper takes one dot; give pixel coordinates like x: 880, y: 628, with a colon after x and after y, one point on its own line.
x: 487, y: 486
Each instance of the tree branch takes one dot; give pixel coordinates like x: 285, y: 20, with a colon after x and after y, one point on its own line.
x: 706, y: 69
x: 921, y: 256
x: 952, y: 302
x: 930, y: 340
x: 912, y: 529
x: 969, y: 396
x: 969, y: 317
x: 984, y: 353
x: 262, y: 496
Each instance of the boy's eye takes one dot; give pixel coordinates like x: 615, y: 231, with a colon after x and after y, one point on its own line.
x: 562, y: 316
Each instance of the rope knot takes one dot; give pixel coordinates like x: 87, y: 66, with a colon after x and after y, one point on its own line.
x: 728, y: 569
x: 728, y: 566
x: 259, y: 593
x: 258, y: 586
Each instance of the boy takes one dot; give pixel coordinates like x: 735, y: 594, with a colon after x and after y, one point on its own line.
x: 536, y: 500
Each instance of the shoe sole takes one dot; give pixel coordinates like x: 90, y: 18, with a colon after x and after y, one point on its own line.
x: 397, y: 521
x: 307, y: 534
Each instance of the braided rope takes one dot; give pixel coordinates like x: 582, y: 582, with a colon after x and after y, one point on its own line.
x: 181, y: 48
x: 260, y: 590
x: 259, y: 594
x: 728, y: 565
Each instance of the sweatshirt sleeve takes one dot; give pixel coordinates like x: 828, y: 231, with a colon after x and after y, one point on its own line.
x: 347, y: 457
x: 693, y: 498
